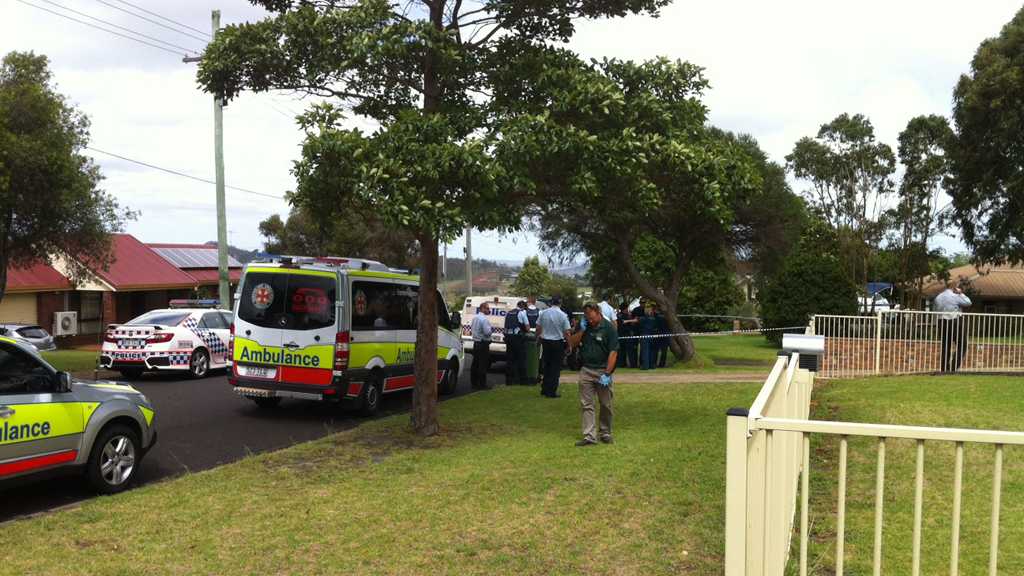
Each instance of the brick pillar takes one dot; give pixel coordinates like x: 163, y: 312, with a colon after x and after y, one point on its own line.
x: 109, y: 309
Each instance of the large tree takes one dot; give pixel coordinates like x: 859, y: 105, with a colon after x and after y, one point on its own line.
x: 987, y: 160
x: 917, y: 216
x: 50, y: 201
x: 350, y: 234
x: 532, y: 280
x: 425, y: 71
x: 850, y: 174
x: 626, y: 166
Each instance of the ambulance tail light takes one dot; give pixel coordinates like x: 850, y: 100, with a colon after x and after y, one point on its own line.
x: 231, y: 341
x: 160, y: 337
x: 341, y: 351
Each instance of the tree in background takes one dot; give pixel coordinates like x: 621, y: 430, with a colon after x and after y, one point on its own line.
x: 425, y: 72
x: 50, y: 201
x: 916, y: 218
x: 533, y: 279
x: 812, y: 281
x: 625, y: 165
x: 711, y: 291
x: 851, y: 176
x: 566, y: 289
x: 352, y: 234
x: 987, y: 158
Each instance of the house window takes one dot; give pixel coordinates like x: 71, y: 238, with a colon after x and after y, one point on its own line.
x: 90, y: 318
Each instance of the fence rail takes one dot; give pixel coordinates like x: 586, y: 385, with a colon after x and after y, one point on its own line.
x: 768, y: 469
x: 915, y: 342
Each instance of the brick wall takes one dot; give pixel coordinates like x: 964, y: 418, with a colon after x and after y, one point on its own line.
x: 848, y: 357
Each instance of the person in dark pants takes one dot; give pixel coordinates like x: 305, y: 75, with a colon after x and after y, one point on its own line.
x: 516, y: 327
x: 951, y: 326
x: 481, y: 329
x: 626, y: 325
x: 661, y: 329
x: 553, y: 331
x: 647, y: 327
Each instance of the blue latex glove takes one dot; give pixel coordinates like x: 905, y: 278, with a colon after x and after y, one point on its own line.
x: 605, y: 380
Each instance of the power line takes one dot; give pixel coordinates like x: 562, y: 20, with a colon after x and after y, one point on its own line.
x: 129, y: 30
x: 158, y: 47
x: 151, y: 13
x: 115, y: 7
x: 182, y: 174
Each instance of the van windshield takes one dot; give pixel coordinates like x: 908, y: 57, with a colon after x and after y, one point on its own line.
x: 288, y: 301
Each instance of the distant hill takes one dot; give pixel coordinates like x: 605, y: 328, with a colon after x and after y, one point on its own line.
x: 579, y: 269
x: 242, y: 255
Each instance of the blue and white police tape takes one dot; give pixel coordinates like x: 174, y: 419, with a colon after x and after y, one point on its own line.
x: 722, y: 333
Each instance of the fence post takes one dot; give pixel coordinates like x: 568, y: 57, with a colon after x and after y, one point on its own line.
x: 810, y: 327
x: 878, y: 342
x: 736, y: 492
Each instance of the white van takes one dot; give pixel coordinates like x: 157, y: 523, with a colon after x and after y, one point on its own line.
x: 332, y: 329
x: 500, y: 306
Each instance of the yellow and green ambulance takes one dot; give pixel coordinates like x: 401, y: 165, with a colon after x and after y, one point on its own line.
x: 332, y: 329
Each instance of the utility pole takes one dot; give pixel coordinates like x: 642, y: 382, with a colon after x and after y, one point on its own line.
x: 469, y: 262
x: 223, y: 292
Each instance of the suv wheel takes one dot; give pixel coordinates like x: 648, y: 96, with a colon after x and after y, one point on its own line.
x: 371, y: 394
x: 114, y: 459
x: 199, y: 364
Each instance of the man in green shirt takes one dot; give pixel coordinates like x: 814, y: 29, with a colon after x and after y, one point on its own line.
x: 599, y: 353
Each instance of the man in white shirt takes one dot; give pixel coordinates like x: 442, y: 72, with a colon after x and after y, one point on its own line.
x: 481, y: 329
x: 951, y: 325
x: 607, y: 311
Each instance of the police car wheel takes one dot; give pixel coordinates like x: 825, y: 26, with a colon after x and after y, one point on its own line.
x: 114, y: 459
x: 267, y: 403
x: 199, y: 364
x: 371, y: 395
x: 451, y: 379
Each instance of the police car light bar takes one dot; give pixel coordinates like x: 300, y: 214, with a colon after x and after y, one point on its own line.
x: 205, y: 303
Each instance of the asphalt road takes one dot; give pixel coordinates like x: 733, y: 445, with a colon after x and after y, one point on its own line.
x: 203, y: 424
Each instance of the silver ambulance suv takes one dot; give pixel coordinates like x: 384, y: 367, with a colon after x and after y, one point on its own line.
x: 332, y: 329
x: 49, y: 420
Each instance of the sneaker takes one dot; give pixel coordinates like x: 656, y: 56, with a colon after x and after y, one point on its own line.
x: 607, y: 439
x: 586, y: 442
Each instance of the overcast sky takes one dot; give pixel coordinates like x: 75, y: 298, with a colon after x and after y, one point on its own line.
x: 778, y: 71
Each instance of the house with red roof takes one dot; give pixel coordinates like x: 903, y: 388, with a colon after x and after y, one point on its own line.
x: 142, y: 277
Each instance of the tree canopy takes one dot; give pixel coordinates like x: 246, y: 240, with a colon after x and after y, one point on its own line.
x: 426, y: 73
x: 532, y: 280
x: 351, y: 234
x: 50, y: 201
x: 627, y: 169
x: 987, y: 158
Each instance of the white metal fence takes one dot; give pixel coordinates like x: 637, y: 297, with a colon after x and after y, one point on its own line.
x: 912, y: 342
x: 768, y: 468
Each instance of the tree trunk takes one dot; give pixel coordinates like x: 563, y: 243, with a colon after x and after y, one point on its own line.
x: 424, y: 396
x: 681, y: 346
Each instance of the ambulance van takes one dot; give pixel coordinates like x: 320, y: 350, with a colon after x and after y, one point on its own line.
x: 332, y: 329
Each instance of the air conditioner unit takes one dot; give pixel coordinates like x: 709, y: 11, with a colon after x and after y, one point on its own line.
x: 65, y: 323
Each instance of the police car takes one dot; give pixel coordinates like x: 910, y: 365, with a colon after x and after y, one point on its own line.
x: 49, y: 420
x: 191, y: 336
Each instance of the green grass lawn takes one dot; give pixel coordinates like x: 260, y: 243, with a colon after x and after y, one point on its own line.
x: 502, y: 491
x: 71, y: 360
x: 992, y: 402
x: 727, y: 353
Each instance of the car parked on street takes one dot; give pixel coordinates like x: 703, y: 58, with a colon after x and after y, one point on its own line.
x: 35, y: 335
x: 191, y: 337
x: 50, y: 420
